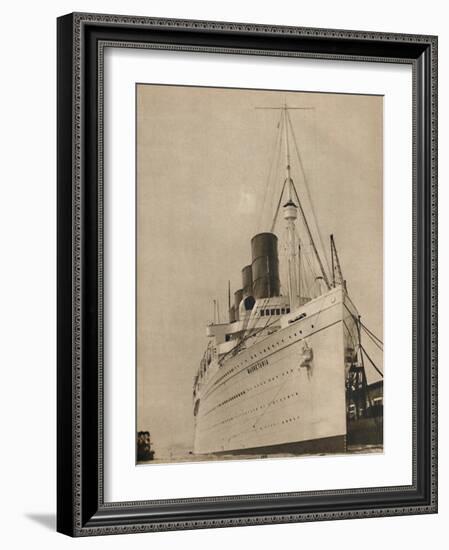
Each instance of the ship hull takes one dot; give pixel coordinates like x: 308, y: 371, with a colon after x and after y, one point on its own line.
x: 284, y: 394
x: 336, y: 444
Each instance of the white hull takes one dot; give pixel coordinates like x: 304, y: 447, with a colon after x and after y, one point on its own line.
x: 287, y: 388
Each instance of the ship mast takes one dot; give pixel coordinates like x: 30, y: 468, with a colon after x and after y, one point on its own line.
x: 290, y: 212
x: 290, y: 216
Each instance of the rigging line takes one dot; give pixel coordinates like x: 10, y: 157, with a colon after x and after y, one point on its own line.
x: 374, y: 341
x: 309, y: 196
x: 362, y: 324
x: 303, y: 272
x: 307, y: 256
x: 298, y: 154
x: 267, y: 324
x: 301, y: 281
x: 371, y: 361
x: 276, y: 172
x: 312, y: 272
x: 247, y: 322
x: 248, y: 336
x: 273, y: 194
x: 245, y: 338
x: 276, y: 155
x: 308, y: 287
x: 353, y: 340
x: 313, y: 276
x: 278, y: 206
x: 312, y: 242
x: 368, y: 331
x: 368, y: 395
x: 305, y: 286
x: 255, y: 319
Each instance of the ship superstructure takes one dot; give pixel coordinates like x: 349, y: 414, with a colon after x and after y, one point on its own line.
x: 274, y: 378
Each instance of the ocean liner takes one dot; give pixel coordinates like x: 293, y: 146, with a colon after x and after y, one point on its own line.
x: 277, y: 376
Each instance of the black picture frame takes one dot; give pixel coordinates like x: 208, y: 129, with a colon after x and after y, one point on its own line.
x: 81, y: 510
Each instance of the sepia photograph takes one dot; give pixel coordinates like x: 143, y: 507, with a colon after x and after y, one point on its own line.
x: 259, y: 273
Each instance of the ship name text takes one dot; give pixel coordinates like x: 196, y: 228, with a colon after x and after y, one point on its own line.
x: 257, y: 366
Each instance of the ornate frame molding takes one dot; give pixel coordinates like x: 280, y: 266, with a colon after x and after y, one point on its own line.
x: 81, y: 41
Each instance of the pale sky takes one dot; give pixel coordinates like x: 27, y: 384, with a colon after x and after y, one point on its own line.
x: 203, y: 160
